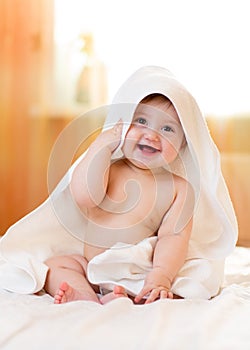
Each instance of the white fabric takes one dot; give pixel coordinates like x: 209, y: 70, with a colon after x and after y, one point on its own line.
x: 128, y: 265
x: 57, y: 226
x: 222, y: 323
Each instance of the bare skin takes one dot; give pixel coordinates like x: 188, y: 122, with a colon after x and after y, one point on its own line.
x: 117, y: 212
x: 66, y: 294
x: 73, y: 270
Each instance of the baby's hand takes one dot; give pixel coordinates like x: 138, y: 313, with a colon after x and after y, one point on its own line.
x: 111, y: 137
x: 153, y: 294
x: 157, y: 286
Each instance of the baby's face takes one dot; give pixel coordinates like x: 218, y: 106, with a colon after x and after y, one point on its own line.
x: 155, y: 136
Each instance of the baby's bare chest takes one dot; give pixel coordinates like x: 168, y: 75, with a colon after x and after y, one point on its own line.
x: 132, y: 210
x: 135, y: 200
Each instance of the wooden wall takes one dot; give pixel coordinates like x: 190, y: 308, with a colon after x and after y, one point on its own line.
x: 232, y: 138
x: 29, y: 125
x: 26, y: 57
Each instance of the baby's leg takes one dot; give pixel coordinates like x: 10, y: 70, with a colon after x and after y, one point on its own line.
x: 66, y: 279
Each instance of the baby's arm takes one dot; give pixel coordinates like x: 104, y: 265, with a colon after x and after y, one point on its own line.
x: 90, y: 177
x: 172, y: 245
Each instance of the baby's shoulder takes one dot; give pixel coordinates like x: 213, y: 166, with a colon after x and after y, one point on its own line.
x: 183, y: 187
x: 173, y: 178
x: 180, y: 180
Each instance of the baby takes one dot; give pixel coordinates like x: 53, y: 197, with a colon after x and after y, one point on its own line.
x: 144, y: 213
x: 98, y: 187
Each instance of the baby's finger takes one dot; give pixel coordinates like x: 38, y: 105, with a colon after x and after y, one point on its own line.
x: 142, y: 293
x: 170, y: 295
x: 153, y: 296
x: 117, y: 128
x: 165, y: 294
x: 138, y: 297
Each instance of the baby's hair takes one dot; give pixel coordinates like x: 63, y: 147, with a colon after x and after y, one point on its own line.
x: 156, y: 95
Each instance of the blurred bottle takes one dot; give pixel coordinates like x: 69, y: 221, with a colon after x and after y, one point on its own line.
x: 91, y: 86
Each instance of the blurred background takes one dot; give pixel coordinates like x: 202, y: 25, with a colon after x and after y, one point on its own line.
x: 61, y: 58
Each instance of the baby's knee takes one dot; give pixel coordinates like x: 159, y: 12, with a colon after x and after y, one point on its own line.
x: 72, y: 262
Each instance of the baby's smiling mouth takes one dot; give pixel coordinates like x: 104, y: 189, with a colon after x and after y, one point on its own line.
x: 148, y: 149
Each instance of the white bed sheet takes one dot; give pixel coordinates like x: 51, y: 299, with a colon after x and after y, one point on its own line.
x: 34, y: 322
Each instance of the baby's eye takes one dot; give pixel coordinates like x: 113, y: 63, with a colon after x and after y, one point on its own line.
x: 141, y: 121
x: 168, y: 128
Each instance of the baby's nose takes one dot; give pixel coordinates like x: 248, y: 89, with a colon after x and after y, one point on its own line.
x: 151, y: 134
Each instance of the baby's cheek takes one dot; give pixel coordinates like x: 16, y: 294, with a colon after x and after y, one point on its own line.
x: 132, y: 133
x: 170, y: 153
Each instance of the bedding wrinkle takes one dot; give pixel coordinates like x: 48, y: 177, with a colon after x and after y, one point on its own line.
x: 219, y: 323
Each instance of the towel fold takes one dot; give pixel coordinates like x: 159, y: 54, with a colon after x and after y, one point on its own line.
x: 128, y: 265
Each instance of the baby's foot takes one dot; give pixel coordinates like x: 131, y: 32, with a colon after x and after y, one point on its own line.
x: 65, y: 294
x: 118, y: 292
